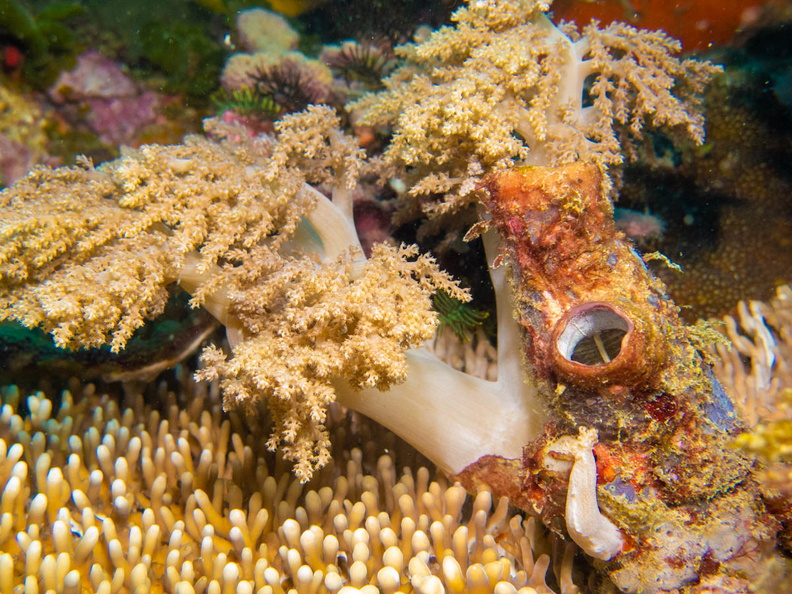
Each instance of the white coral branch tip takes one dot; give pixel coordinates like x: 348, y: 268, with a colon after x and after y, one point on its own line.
x: 588, y: 528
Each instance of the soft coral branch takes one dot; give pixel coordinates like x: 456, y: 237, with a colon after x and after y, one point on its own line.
x: 506, y: 86
x: 240, y: 225
x: 455, y: 418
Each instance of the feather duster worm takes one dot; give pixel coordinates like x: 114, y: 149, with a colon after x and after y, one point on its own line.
x: 635, y: 464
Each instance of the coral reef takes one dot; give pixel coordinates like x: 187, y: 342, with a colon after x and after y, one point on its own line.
x: 441, y: 152
x: 617, y: 436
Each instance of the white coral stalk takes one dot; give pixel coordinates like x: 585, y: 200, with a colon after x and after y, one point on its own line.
x: 454, y: 418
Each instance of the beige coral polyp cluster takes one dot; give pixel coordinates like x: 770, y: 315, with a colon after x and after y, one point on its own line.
x: 755, y: 366
x: 506, y: 87
x: 104, y: 500
x: 90, y: 254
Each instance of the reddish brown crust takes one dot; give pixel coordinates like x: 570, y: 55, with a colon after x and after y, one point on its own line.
x: 568, y: 254
x: 535, y: 211
x: 498, y: 475
x: 664, y: 430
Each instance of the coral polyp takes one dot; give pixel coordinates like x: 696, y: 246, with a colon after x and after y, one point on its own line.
x: 599, y: 346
